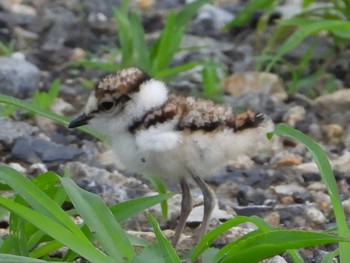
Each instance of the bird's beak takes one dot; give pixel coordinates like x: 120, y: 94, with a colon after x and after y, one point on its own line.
x: 80, y: 121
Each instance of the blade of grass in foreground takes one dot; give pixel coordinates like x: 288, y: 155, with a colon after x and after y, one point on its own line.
x: 328, y: 178
x: 15, y: 259
x: 100, y: 220
x: 265, y: 245
x: 168, y: 252
x: 45, y: 113
x: 82, y: 246
x: 37, y: 199
x: 129, y: 208
x: 161, y: 188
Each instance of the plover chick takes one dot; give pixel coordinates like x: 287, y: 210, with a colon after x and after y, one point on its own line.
x: 155, y: 133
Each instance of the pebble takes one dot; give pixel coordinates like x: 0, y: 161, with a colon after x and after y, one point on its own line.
x: 34, y: 149
x: 346, y: 205
x: 210, y: 20
x: 335, y: 106
x: 288, y: 189
x: 334, y: 133
x: 243, y: 82
x: 317, y: 186
x: 314, y: 215
x: 19, y: 78
x: 12, y: 130
x: 275, y: 259
x: 18, y: 167
x: 196, y: 215
x: 294, y: 115
x: 273, y: 219
x: 112, y: 186
x: 291, y: 160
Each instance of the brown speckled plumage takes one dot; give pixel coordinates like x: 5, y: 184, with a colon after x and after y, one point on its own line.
x: 125, y: 82
x: 194, y: 114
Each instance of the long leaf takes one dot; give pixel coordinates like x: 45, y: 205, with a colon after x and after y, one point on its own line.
x: 161, y: 188
x: 209, y: 238
x: 304, y: 31
x: 16, y: 259
x: 38, y: 199
x: 82, y: 246
x: 129, y: 208
x: 168, y: 252
x: 265, y: 245
x: 326, y: 172
x: 100, y: 220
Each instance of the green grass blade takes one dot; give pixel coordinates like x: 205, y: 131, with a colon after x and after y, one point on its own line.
x: 245, y: 15
x: 16, y: 259
x: 167, y: 45
x: 82, y: 246
x: 175, y: 70
x: 122, y: 20
x: 38, y: 199
x: 185, y: 15
x: 18, y: 233
x: 105, y: 66
x: 142, y: 58
x: 209, y: 238
x: 152, y: 252
x: 304, y: 31
x: 45, y: 113
x: 45, y: 249
x: 327, y: 175
x: 129, y: 208
x: 168, y: 252
x: 330, y: 256
x: 161, y: 188
x: 265, y: 245
x: 100, y: 220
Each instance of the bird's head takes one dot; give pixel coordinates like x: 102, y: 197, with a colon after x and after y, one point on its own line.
x: 127, y: 94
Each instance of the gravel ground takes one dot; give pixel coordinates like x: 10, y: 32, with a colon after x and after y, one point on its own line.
x: 280, y: 184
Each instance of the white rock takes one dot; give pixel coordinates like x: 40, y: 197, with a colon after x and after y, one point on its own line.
x: 19, y: 168
x: 316, y: 216
x: 346, y: 205
x: 288, y: 189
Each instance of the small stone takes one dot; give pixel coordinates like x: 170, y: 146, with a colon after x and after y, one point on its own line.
x: 145, y: 4
x: 317, y: 186
x: 211, y: 19
x: 291, y: 160
x: 316, y: 216
x: 273, y: 219
x: 19, y: 168
x: 275, y: 259
x: 19, y: 78
x: 294, y: 115
x: 335, y: 107
x: 33, y: 150
x: 241, y: 83
x: 61, y: 107
x: 218, y: 214
x: 288, y: 189
x: 38, y: 168
x: 77, y: 54
x: 346, y: 205
x: 334, y: 133
x: 11, y: 130
x: 287, y: 200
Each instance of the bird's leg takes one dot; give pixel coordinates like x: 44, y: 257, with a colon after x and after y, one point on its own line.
x: 209, y: 204
x: 186, y: 208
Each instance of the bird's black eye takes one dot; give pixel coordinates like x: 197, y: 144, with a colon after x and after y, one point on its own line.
x: 106, y: 105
